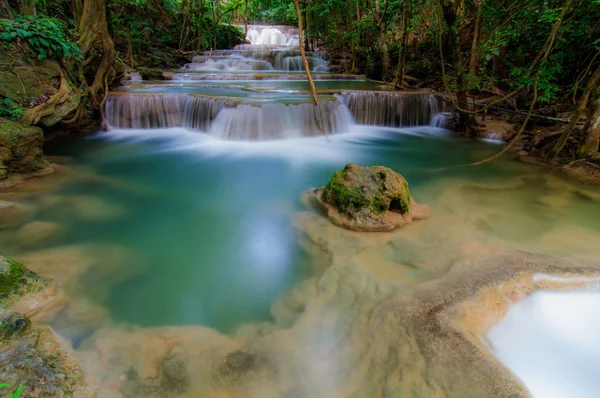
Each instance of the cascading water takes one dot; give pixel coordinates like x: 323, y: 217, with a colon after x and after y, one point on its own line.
x: 226, y: 119
x: 272, y: 35
x: 258, y: 91
x: 393, y: 109
x: 271, y: 48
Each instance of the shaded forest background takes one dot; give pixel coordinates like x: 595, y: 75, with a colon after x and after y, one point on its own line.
x: 536, y: 56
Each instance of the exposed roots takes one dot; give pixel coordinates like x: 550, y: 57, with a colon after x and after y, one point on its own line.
x: 33, y: 115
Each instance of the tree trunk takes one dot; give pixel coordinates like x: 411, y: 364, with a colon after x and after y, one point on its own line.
x: 499, y: 63
x: 403, y: 50
x: 466, y: 120
x: 307, y: 25
x: 246, y: 20
x: 589, y: 88
x: 475, y: 43
x: 130, y: 47
x: 590, y: 135
x: 27, y: 7
x: 94, y: 39
x: 76, y: 9
x: 184, y: 6
x: 311, y: 83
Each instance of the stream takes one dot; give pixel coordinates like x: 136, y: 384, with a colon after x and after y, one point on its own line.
x: 185, y: 215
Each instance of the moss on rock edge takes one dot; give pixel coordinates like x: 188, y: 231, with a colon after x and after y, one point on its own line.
x: 359, y: 192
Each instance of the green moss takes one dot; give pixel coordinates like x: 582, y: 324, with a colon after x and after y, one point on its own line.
x: 343, y: 197
x: 15, y: 279
x: 376, y: 189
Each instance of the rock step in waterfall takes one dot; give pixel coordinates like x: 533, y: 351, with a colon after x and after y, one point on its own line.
x: 209, y: 95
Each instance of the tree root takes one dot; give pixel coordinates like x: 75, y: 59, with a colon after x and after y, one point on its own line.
x: 33, y: 115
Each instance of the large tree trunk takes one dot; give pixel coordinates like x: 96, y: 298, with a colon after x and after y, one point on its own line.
x: 311, y: 83
x: 590, y: 135
x: 475, y: 43
x: 466, y: 119
x: 589, y: 88
x: 95, y: 41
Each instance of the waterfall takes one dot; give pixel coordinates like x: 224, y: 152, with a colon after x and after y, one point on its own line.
x: 253, y: 59
x: 162, y: 110
x: 272, y: 35
x: 223, y: 118
x: 144, y: 111
x: 233, y: 63
x: 271, y: 48
x: 273, y: 121
x: 392, y: 109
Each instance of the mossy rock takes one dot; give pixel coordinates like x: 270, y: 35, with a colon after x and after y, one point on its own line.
x: 16, y: 281
x: 22, y: 76
x: 20, y: 149
x: 151, y: 74
x: 32, y: 356
x: 368, y: 199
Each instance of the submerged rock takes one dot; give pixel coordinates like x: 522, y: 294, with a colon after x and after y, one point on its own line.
x: 13, y: 214
x: 37, y: 232
x: 34, y: 358
x: 25, y: 291
x: 21, y: 149
x: 368, y: 199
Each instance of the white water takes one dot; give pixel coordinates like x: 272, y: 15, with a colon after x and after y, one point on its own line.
x: 551, y: 341
x: 271, y: 48
x: 271, y: 35
x: 255, y: 120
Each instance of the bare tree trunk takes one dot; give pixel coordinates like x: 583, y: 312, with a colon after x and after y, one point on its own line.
x: 475, y: 42
x: 591, y: 86
x: 590, y: 135
x: 311, y: 83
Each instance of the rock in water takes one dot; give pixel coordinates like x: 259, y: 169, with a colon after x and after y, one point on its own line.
x: 21, y: 149
x: 34, y: 358
x: 37, y: 232
x: 151, y: 74
x: 22, y: 290
x: 368, y: 199
x: 13, y: 214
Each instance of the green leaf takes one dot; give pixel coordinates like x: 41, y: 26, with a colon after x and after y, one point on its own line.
x: 4, y: 385
x: 17, y: 394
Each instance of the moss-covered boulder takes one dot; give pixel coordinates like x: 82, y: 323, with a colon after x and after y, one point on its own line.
x: 151, y: 74
x: 22, y: 290
x: 35, y: 358
x: 368, y: 199
x: 21, y: 149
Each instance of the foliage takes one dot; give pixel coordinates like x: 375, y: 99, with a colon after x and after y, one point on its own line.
x: 17, y: 393
x: 10, y: 109
x: 48, y: 37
